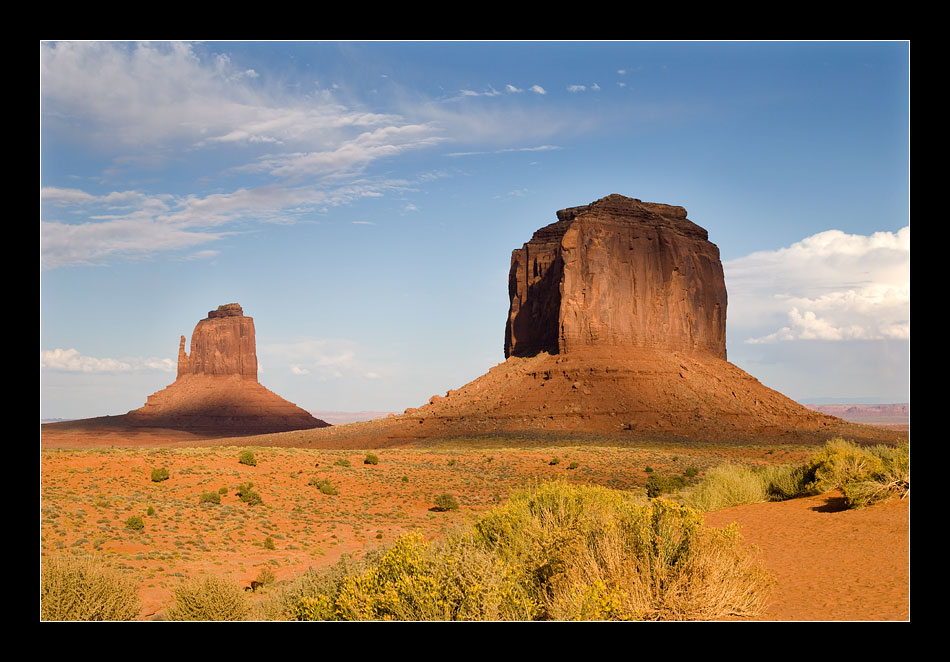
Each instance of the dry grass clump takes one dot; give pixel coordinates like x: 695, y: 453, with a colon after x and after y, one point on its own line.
x: 866, y: 474
x: 734, y: 484
x: 209, y: 598
x: 84, y: 589
x: 555, y: 552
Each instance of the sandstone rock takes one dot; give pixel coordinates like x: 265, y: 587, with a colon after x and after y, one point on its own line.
x: 217, y: 388
x: 221, y: 344
x: 618, y: 272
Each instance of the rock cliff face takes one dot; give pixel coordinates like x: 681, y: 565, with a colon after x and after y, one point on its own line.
x: 217, y: 388
x: 618, y: 272
x: 221, y: 344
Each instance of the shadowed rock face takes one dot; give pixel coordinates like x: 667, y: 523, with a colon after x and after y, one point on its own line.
x: 217, y: 387
x: 618, y: 272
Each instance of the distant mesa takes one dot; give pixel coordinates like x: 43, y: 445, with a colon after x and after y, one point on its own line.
x: 217, y: 388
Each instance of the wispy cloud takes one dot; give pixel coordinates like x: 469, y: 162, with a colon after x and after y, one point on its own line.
x: 539, y: 148
x: 70, y: 360
x: 830, y: 286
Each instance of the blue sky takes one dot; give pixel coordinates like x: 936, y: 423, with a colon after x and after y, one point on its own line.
x: 361, y: 200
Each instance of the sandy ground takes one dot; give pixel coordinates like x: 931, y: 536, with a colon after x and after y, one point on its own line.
x: 830, y: 564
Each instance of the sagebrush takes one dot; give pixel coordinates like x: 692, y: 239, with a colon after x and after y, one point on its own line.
x: 74, y: 588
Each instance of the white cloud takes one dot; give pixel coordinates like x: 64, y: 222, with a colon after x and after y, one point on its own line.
x: 830, y: 286
x: 539, y: 148
x: 70, y: 360
x: 576, y: 88
x: 537, y: 89
x: 513, y: 89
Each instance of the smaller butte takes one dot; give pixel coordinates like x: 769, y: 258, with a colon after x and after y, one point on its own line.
x: 217, y: 388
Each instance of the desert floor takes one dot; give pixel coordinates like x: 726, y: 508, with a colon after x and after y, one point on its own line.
x: 829, y: 564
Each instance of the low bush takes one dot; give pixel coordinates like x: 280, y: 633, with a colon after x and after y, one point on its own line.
x: 84, y: 589
x: 247, y: 457
x: 135, y: 523
x: 343, y: 462
x: 266, y: 576
x: 324, y: 485
x: 158, y: 475
x: 247, y: 495
x: 370, y: 459
x: 445, y: 502
x: 209, y: 497
x: 658, y: 484
x: 866, y: 474
x: 209, y: 598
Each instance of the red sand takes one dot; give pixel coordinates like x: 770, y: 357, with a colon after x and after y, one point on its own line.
x: 830, y: 564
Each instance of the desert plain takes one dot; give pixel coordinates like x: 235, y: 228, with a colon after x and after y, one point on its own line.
x: 830, y: 563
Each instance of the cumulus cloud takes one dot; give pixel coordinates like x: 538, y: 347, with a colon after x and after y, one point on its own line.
x: 830, y: 286
x: 537, y: 89
x: 70, y: 360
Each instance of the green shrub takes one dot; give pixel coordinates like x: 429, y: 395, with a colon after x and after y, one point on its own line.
x: 342, y: 462
x: 247, y: 457
x: 573, y: 465
x: 554, y: 461
x: 865, y: 475
x: 135, y: 523
x: 658, y: 484
x: 269, y: 543
x: 691, y: 472
x: 324, y: 485
x: 445, y: 502
x: 158, y: 475
x: 209, y: 497
x: 648, y: 469
x: 150, y: 512
x: 222, y: 491
x: 83, y: 589
x: 209, y: 598
x: 248, y: 495
x: 370, y: 459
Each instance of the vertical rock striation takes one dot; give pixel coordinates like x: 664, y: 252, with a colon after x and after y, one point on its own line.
x: 618, y: 272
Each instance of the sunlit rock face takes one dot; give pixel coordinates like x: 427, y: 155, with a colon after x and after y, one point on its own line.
x: 617, y: 273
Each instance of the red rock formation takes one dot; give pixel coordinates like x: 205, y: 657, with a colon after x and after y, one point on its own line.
x: 221, y: 344
x: 617, y: 273
x: 217, y: 387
